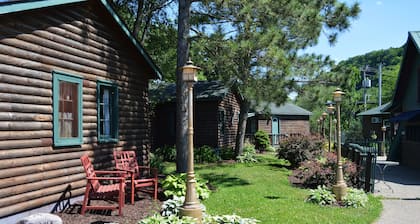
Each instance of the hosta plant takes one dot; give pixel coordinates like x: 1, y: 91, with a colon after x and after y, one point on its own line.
x: 355, y: 198
x: 175, y: 185
x: 321, y: 196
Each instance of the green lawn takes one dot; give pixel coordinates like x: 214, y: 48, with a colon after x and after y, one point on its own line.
x: 262, y: 191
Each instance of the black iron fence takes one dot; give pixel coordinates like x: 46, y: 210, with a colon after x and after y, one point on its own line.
x: 365, y: 158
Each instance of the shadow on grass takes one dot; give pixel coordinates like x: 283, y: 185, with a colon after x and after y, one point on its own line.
x: 220, y: 180
x: 279, y: 166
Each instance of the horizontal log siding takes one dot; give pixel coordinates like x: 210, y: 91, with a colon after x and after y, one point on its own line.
x: 77, y: 39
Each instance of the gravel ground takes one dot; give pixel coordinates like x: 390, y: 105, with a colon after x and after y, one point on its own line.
x: 143, y: 207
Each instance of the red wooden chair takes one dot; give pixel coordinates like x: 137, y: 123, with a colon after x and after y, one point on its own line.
x: 96, y: 189
x: 141, y: 176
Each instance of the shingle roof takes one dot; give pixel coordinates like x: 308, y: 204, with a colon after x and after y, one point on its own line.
x: 203, y: 91
x: 19, y: 6
x: 412, y: 48
x: 285, y: 109
x: 376, y: 111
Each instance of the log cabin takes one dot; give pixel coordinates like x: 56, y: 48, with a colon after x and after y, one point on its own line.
x: 73, y: 80
x: 216, y: 115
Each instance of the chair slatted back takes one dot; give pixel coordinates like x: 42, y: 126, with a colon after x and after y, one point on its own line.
x: 90, y: 171
x: 126, y: 160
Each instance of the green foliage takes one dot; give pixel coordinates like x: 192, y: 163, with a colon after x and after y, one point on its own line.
x: 248, y: 155
x: 172, y: 219
x: 207, y: 219
x: 297, y: 149
x: 205, y: 154
x: 228, y: 219
x: 172, y: 206
x: 321, y: 196
x: 355, y: 198
x: 166, y: 153
x: 227, y: 153
x: 262, y: 140
x: 175, y: 185
x: 156, y: 162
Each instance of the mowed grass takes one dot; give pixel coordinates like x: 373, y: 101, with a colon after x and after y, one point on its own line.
x: 262, y: 191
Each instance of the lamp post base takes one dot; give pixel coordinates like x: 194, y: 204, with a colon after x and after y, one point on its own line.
x: 340, y: 190
x: 194, y: 211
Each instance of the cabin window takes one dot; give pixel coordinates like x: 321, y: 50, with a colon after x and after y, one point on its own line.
x: 67, y: 109
x: 107, y: 96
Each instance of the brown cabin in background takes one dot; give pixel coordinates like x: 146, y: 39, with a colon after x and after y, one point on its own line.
x: 73, y: 80
x: 278, y: 121
x: 216, y: 115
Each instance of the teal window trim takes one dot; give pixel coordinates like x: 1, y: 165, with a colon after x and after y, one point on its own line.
x: 60, y: 141
x: 113, y: 112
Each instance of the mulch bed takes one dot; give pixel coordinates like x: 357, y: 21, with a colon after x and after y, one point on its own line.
x: 143, y: 207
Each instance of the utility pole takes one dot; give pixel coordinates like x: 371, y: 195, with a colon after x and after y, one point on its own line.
x: 380, y: 85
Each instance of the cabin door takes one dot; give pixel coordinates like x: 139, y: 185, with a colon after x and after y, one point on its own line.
x: 275, y: 131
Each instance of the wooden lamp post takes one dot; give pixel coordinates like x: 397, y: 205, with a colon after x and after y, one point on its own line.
x: 191, y: 206
x: 323, y: 117
x: 330, y: 110
x: 340, y: 188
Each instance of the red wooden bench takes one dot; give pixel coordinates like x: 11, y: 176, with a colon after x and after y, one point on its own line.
x: 96, y: 189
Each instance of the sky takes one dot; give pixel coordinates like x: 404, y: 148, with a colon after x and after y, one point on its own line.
x: 381, y: 24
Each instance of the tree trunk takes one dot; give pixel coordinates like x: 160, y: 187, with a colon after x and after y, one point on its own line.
x: 181, y: 88
x: 240, y: 137
x: 138, y: 21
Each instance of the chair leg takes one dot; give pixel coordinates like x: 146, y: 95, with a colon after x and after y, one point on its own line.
x: 133, y: 189
x: 85, y: 199
x: 156, y: 189
x: 121, y: 198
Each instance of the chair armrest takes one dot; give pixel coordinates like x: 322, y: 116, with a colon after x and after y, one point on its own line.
x: 106, y: 178
x: 105, y: 172
x: 154, y: 171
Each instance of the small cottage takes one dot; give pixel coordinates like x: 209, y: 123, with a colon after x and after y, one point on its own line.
x: 279, y: 121
x: 405, y: 106
x: 73, y: 80
x: 373, y: 120
x: 216, y: 115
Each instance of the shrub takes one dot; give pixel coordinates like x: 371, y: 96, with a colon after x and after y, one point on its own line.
x: 205, y: 154
x: 173, y: 219
x: 175, y: 185
x: 207, y: 219
x: 167, y: 153
x: 171, y: 206
x: 262, y: 140
x: 355, y: 198
x: 321, y: 196
x: 228, y: 219
x: 322, y: 171
x: 227, y: 153
x: 248, y: 155
x: 297, y: 149
x: 156, y: 162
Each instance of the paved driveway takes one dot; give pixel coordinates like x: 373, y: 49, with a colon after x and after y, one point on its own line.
x: 401, y: 192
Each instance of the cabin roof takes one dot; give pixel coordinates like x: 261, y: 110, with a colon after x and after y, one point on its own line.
x: 380, y: 110
x: 412, y: 48
x: 26, y: 5
x: 284, y: 109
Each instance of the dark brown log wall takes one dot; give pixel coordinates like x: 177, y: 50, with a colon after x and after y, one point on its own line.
x: 79, y: 39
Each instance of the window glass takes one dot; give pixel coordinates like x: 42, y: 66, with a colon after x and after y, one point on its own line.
x: 67, y: 109
x: 107, y: 112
